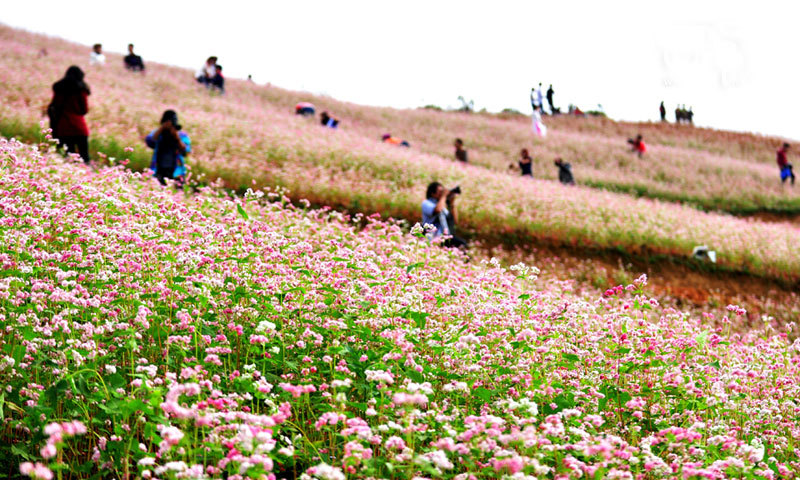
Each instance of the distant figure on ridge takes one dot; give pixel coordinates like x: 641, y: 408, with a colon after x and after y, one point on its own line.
x: 388, y: 138
x: 785, y: 167
x: 207, y: 72
x: 663, y: 111
x: 327, y: 121
x: 133, y: 62
x: 637, y: 145
x: 550, y: 93
x: 564, y: 172
x: 537, y: 99
x: 67, y: 110
x: 461, y: 152
x: 170, y: 146
x: 97, y: 57
x: 305, y: 109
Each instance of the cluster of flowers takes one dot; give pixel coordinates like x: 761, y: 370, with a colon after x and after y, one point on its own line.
x: 162, y: 322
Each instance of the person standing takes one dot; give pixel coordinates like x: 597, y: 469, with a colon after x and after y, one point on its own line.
x: 170, y: 146
x: 564, y: 172
x: 785, y: 167
x: 67, y: 110
x: 663, y: 111
x: 537, y: 125
x: 97, y: 57
x: 461, y: 152
x: 550, y: 93
x: 133, y: 62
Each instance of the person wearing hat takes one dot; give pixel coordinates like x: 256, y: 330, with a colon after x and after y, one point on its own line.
x: 170, y: 146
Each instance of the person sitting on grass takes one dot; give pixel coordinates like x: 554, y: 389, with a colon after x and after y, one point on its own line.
x: 207, y: 71
x: 564, y: 172
x: 388, y: 138
x: 304, y: 109
x: 133, y: 62
x: 785, y: 167
x: 96, y: 57
x: 327, y: 121
x: 439, y: 210
x: 637, y: 145
x: 170, y: 146
x: 218, y: 81
x: 461, y: 152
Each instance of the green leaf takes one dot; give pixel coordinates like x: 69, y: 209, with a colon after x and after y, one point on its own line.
x: 242, y: 212
x: 484, y: 394
x: 702, y: 339
x: 413, y: 266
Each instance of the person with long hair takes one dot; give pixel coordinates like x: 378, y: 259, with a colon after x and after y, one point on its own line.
x: 67, y: 113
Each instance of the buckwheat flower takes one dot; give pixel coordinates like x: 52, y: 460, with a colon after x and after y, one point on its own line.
x: 38, y: 471
x: 48, y: 451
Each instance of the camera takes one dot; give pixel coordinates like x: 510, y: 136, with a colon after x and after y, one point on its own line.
x: 456, y: 190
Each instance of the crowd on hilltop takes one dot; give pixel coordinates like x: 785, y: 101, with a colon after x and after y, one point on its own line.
x: 171, y: 145
x: 682, y: 115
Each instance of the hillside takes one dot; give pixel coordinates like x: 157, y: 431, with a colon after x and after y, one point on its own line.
x: 153, y: 334
x: 250, y: 138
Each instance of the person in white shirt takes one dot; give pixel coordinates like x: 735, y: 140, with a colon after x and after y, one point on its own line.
x: 97, y: 57
x: 207, y: 72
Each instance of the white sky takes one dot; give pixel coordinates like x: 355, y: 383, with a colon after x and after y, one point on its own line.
x: 730, y: 60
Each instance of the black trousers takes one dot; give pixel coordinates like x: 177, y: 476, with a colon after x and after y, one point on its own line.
x: 76, y: 144
x: 163, y: 173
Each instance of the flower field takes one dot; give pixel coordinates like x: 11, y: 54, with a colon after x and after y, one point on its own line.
x: 148, y: 334
x: 249, y: 138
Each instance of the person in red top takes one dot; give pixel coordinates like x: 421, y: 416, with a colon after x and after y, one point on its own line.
x: 784, y: 165
x: 67, y: 110
x: 637, y: 145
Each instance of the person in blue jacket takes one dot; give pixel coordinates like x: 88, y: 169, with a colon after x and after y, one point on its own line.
x: 170, y: 146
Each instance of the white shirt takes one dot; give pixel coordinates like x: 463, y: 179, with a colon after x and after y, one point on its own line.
x: 97, y: 59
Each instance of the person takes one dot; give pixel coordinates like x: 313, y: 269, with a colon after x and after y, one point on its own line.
x: 218, y: 81
x: 388, y: 138
x: 461, y: 152
x: 327, y: 121
x: 690, y: 116
x: 207, y: 71
x: 785, y: 167
x: 663, y: 111
x: 637, y: 145
x: 133, y: 62
x: 67, y: 110
x: 537, y: 125
x: 170, y: 146
x: 250, y: 78
x: 550, y: 93
x: 564, y: 172
x: 525, y: 163
x: 304, y: 108
x: 97, y: 57
x: 439, y: 210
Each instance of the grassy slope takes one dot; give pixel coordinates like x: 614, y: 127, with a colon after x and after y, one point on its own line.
x: 248, y: 137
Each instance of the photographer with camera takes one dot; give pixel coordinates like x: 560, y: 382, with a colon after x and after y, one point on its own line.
x: 439, y: 210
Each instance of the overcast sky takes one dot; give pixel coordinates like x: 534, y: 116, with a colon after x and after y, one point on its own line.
x: 733, y: 62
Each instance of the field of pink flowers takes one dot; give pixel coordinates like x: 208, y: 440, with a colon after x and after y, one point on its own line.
x: 148, y: 334
x: 248, y: 138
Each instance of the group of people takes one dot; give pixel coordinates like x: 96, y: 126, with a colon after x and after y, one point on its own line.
x: 537, y: 99
x: 131, y: 61
x: 210, y: 75
x: 67, y: 111
x: 307, y: 109
x: 682, y: 115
